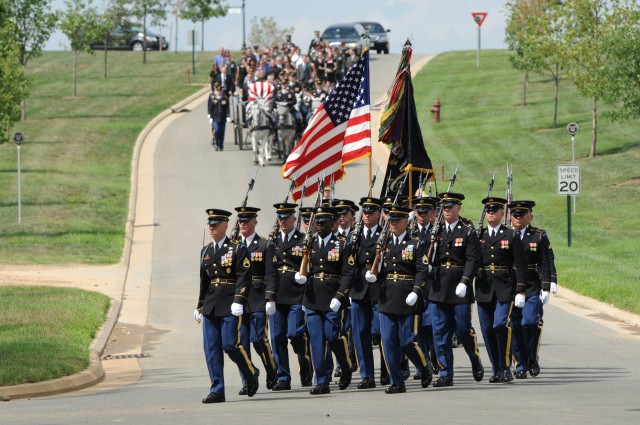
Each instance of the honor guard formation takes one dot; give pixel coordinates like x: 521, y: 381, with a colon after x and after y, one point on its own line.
x: 341, y: 281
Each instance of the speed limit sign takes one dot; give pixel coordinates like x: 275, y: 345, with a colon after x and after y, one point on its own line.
x: 568, y: 180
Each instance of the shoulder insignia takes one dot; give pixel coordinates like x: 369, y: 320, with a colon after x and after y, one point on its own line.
x: 351, y: 261
x: 246, y: 263
x: 425, y: 260
x: 234, y: 242
x: 275, y: 260
x: 242, y: 290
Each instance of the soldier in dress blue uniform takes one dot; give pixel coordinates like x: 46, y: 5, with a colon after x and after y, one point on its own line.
x: 403, y: 274
x: 225, y: 276
x: 330, y: 274
x: 425, y: 216
x: 365, y: 295
x: 288, y: 320
x: 500, y: 277
x: 456, y: 262
x: 525, y: 318
x: 261, y: 293
x: 218, y: 109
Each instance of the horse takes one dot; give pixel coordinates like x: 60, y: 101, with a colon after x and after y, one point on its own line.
x: 260, y: 120
x: 261, y: 130
x: 286, y: 129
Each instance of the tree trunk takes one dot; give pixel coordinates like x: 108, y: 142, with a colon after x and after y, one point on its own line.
x: 524, y: 89
x: 556, y: 80
x: 144, y: 36
x: 23, y: 109
x: 106, y: 41
x: 202, y: 37
x: 594, y: 129
x: 75, y: 71
x: 175, y: 42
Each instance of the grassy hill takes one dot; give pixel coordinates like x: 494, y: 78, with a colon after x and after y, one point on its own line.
x: 484, y: 127
x: 76, y: 159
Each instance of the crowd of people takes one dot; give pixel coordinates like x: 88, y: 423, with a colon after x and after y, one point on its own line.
x: 401, y: 278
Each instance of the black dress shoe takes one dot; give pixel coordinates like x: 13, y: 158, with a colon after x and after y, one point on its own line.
x: 507, y: 376
x: 396, y: 389
x: 282, y: 386
x: 367, y: 383
x: 385, y: 380
x: 443, y: 381
x: 272, y: 380
x: 495, y: 379
x: 214, y: 398
x: 243, y: 391
x: 534, y: 368
x: 417, y: 376
x: 406, y: 373
x: 478, y: 371
x: 306, y: 380
x: 320, y: 389
x: 338, y: 372
x: 427, y: 377
x: 345, y: 379
x: 253, y: 384
x: 521, y: 374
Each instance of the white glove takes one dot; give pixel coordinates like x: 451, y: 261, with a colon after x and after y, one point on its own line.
x: 519, y: 300
x: 411, y: 299
x: 197, y: 315
x: 209, y: 116
x: 300, y: 279
x: 544, y: 296
x: 270, y: 308
x: 228, y: 119
x: 554, y: 288
x: 210, y: 121
x: 370, y: 277
x: 237, y: 309
x: 335, y: 305
x: 461, y: 290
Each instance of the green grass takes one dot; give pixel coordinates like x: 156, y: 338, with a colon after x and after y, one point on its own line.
x: 45, y: 332
x: 485, y: 127
x: 76, y: 160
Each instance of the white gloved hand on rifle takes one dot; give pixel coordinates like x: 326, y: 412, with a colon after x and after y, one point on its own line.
x: 370, y: 277
x: 461, y: 290
x: 270, y: 308
x: 301, y: 280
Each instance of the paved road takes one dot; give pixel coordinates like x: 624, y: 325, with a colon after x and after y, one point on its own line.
x: 590, y: 373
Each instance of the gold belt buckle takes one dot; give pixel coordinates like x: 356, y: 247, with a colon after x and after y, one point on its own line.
x: 492, y: 268
x: 284, y: 268
x: 395, y: 276
x: 448, y: 264
x: 321, y: 276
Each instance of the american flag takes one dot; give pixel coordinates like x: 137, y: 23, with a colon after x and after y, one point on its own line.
x: 338, y: 133
x: 260, y: 90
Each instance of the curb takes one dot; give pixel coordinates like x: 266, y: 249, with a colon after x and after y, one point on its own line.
x: 95, y: 373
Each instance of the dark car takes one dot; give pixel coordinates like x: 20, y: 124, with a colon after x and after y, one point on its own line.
x: 124, y: 37
x: 345, y: 36
x: 379, y: 39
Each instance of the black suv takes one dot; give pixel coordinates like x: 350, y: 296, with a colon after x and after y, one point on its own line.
x: 125, y: 37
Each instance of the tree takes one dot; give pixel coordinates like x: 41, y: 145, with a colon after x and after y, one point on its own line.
x: 34, y: 23
x: 79, y: 22
x: 203, y: 10
x: 14, y: 84
x: 591, y: 28
x: 113, y: 15
x: 144, y: 9
x: 265, y: 32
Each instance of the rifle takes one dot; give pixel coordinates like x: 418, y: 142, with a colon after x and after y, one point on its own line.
x: 384, y: 234
x: 356, y: 234
x: 484, y: 212
x: 236, y: 227
x: 302, y: 195
x: 273, y: 236
x: 308, y: 241
x: 439, y: 221
x: 507, y: 214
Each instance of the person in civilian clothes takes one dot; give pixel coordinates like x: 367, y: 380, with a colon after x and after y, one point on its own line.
x: 525, y: 318
x: 330, y: 274
x: 261, y: 293
x: 425, y: 216
x: 225, y: 275
x: 288, y: 320
x: 456, y: 261
x: 403, y: 273
x: 365, y: 325
x: 500, y: 277
x: 218, y: 107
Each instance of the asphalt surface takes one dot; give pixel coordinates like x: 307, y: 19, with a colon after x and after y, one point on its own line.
x: 590, y: 368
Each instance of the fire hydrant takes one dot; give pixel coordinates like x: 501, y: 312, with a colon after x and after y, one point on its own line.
x: 436, y: 110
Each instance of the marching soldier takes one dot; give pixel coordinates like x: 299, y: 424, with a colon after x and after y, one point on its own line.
x: 288, y: 320
x: 403, y: 273
x: 525, y: 318
x: 501, y: 275
x: 456, y: 261
x: 261, y: 298
x: 225, y: 275
x: 218, y: 110
x: 330, y: 272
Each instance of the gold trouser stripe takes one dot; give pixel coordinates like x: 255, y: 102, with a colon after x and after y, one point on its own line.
x: 384, y: 358
x: 472, y: 332
x: 421, y: 354
x: 507, y: 356
x: 267, y: 344
x: 416, y: 327
x: 343, y: 338
x: 540, y: 326
x: 242, y: 350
